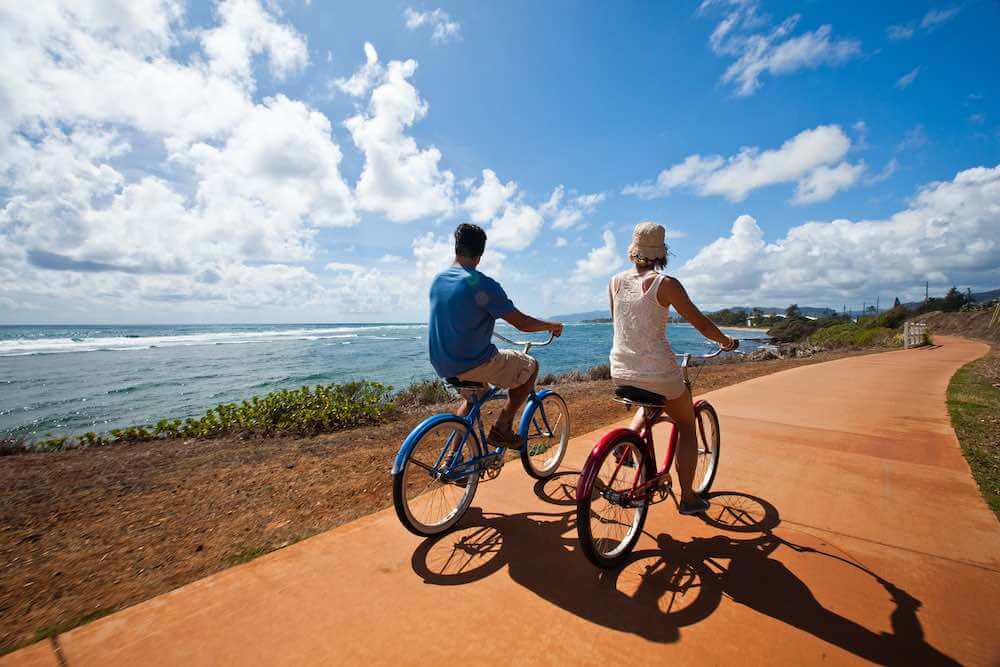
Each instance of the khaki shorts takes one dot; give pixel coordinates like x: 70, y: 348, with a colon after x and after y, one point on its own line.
x: 507, y: 369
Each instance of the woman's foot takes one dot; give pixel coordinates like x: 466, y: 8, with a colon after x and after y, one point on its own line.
x: 694, y: 505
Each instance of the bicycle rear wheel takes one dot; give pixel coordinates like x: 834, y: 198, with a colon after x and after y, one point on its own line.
x: 709, y: 440
x: 607, y: 527
x: 438, y: 480
x: 548, y: 435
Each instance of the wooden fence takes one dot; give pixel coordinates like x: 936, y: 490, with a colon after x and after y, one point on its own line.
x: 914, y: 334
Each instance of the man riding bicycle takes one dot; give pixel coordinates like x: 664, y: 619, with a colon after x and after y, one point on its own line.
x: 465, y: 305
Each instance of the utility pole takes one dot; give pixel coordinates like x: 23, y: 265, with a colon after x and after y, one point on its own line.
x: 876, y: 305
x: 927, y: 287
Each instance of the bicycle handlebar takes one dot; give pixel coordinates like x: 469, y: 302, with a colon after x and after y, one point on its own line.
x: 687, y: 355
x: 526, y: 344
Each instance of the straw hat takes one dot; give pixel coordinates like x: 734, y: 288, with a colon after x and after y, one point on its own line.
x: 648, y: 242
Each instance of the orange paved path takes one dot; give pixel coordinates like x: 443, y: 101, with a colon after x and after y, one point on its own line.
x: 847, y: 528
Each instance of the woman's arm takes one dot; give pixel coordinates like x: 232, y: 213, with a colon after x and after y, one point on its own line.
x: 672, y: 293
x: 611, y: 299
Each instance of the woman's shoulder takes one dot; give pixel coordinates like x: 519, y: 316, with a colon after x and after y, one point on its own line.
x: 617, y: 278
x: 669, y: 281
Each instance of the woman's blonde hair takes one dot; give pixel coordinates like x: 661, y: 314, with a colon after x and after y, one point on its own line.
x: 649, y: 245
x: 658, y: 263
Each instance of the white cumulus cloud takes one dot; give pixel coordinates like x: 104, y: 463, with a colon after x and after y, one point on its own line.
x: 399, y: 179
x: 172, y: 184
x: 949, y: 234
x: 444, y: 29
x: 365, y: 77
x: 246, y: 29
x: 599, y: 262
x: 812, y: 159
x: 567, y: 213
x: 516, y: 228
x: 486, y: 200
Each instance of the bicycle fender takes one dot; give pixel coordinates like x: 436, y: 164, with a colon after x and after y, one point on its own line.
x: 590, y: 468
x: 411, y: 440
x: 529, y: 411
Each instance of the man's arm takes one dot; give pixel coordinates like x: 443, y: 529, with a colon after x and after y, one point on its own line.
x: 672, y: 293
x: 523, y: 322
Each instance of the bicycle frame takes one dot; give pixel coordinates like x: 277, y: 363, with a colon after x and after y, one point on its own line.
x: 652, y: 415
x: 456, y: 470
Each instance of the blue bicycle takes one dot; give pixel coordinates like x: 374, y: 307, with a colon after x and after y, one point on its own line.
x: 438, y: 467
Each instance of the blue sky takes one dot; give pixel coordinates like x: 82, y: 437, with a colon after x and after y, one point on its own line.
x: 240, y: 161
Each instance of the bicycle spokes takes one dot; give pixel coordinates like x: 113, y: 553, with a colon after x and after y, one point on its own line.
x: 616, y: 500
x: 440, y: 476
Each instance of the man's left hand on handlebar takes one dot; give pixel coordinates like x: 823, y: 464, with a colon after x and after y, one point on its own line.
x: 556, y: 328
x: 731, y: 346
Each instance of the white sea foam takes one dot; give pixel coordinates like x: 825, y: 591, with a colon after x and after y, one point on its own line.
x: 29, y: 346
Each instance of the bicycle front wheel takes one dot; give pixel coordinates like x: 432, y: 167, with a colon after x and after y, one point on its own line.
x: 438, y: 480
x: 547, y: 435
x: 608, y: 526
x: 707, y: 427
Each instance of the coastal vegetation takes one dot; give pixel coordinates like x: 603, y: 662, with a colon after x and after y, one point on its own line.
x: 301, y: 412
x: 298, y: 412
x: 741, y: 317
x: 839, y: 330
x: 974, y: 405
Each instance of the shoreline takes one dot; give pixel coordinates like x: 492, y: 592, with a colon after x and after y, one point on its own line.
x: 122, y: 524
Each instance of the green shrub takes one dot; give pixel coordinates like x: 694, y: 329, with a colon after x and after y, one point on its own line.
x: 728, y: 317
x: 792, y: 329
x: 600, y: 372
x: 424, y: 392
x: 890, y: 319
x: 851, y: 335
x: 304, y: 411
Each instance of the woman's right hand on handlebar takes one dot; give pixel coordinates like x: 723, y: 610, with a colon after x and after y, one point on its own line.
x: 556, y: 328
x: 731, y: 346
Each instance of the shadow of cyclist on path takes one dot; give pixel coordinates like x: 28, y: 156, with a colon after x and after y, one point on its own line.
x: 678, y: 584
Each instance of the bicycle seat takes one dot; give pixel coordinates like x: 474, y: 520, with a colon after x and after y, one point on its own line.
x: 464, y: 384
x: 638, y: 396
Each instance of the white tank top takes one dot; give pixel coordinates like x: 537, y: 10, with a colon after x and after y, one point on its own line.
x: 640, y: 350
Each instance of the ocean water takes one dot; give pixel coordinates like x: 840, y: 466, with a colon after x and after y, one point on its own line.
x: 72, y: 379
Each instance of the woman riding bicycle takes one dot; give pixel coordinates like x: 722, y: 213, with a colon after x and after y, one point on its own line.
x: 641, y: 356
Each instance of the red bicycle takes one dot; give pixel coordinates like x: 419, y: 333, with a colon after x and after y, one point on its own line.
x: 620, y: 479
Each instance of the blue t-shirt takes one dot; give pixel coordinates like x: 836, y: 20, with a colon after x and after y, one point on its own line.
x: 465, y: 304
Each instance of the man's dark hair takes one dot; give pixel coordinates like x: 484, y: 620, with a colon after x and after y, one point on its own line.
x: 470, y: 240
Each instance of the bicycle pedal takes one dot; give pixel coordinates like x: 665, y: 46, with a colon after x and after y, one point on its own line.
x: 491, y: 468
x: 663, y: 490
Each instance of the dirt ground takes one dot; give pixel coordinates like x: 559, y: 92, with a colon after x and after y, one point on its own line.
x: 86, y: 532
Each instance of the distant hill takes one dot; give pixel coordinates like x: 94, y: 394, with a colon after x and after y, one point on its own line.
x: 580, y: 317
x: 812, y: 311
x: 986, y: 296
x: 976, y: 296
